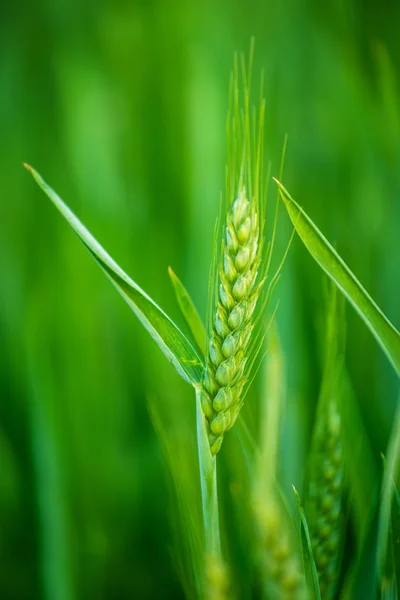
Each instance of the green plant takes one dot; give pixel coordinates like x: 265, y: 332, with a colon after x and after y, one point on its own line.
x: 236, y: 330
x: 325, y: 508
x: 220, y: 363
x: 378, y: 553
x: 277, y: 547
x: 233, y: 336
x: 278, y: 556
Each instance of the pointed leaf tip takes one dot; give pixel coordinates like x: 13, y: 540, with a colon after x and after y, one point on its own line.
x: 308, y: 556
x: 172, y: 342
x: 189, y: 311
x: 334, y: 266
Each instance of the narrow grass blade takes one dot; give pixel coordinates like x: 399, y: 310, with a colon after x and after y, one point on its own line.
x: 169, y: 338
x: 173, y: 424
x: 362, y: 581
x: 273, y: 394
x: 189, y: 311
x: 330, y: 261
x: 389, y: 591
x: 309, y: 562
x: 369, y: 569
x: 362, y: 466
x: 388, y: 490
x: 396, y: 537
x: 388, y: 585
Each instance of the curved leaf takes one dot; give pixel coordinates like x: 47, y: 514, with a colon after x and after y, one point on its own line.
x: 162, y: 329
x: 330, y: 261
x: 189, y: 311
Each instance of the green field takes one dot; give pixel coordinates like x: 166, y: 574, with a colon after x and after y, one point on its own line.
x: 121, y: 107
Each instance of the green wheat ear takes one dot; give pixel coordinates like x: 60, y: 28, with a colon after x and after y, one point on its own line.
x: 237, y: 283
x: 277, y: 548
x: 278, y: 557
x: 326, y: 481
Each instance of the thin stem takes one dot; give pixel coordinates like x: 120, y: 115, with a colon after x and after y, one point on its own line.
x: 208, y: 482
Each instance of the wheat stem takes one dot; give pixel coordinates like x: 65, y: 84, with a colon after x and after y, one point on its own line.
x: 208, y: 483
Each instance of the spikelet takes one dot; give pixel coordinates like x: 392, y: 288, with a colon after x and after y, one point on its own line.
x: 279, y: 566
x: 233, y: 337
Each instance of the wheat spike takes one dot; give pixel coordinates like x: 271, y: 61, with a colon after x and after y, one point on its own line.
x: 233, y: 336
x: 325, y: 505
x: 325, y: 497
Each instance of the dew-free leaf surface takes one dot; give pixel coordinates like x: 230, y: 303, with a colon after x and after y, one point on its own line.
x: 308, y: 556
x: 162, y: 329
x: 330, y: 261
x: 189, y: 311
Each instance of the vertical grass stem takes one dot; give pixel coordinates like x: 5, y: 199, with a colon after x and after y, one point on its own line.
x: 208, y: 482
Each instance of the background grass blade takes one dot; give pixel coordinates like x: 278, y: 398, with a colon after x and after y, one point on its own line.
x: 271, y: 408
x: 169, y: 338
x: 388, y: 491
x: 174, y: 428
x: 189, y: 311
x: 396, y: 536
x: 308, y: 557
x: 370, y: 572
x: 330, y: 261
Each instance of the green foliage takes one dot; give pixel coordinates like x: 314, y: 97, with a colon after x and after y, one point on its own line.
x: 308, y: 555
x: 325, y: 508
x: 189, y: 312
x: 330, y: 261
x: 240, y: 266
x: 123, y: 105
x: 169, y: 338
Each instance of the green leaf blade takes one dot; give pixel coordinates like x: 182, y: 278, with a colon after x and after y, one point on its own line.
x: 308, y: 556
x: 329, y: 260
x: 189, y: 311
x: 162, y: 329
x: 389, y: 509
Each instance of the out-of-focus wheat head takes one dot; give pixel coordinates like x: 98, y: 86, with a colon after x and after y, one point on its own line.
x: 277, y: 548
x: 217, y: 585
x: 325, y: 492
x: 325, y: 504
x: 240, y: 267
x: 279, y: 565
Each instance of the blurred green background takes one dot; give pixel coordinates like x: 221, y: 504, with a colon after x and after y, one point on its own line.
x: 121, y: 106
